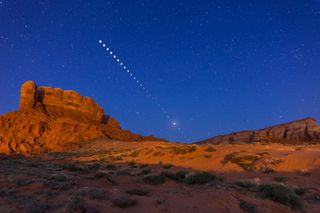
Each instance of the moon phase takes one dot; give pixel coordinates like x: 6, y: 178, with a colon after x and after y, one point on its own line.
x: 147, y: 92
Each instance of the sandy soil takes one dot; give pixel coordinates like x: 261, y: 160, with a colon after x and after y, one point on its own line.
x: 133, y: 177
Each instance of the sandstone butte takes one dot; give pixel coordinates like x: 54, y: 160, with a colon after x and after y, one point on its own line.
x: 51, y: 119
x: 295, y: 132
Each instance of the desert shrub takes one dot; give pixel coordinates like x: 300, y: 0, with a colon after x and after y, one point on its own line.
x: 199, y: 178
x: 158, y: 153
x: 281, y: 194
x: 210, y: 149
x: 245, y: 184
x: 94, y: 166
x: 143, y: 166
x: 60, y: 177
x: 110, y: 167
x: 207, y: 156
x: 122, y: 172
x: 229, y: 156
x: 245, y: 161
x: 179, y: 176
x: 184, y: 149
x: 266, y: 169
x: 72, y: 167
x: 247, y: 207
x: 138, y: 192
x: 132, y: 163
x: 167, y: 165
x: 22, y: 182
x: 305, y: 172
x: 299, y: 191
x: 115, y: 158
x: 76, y: 204
x: 280, y: 178
x: 94, y: 193
x: 153, y: 179
x: 145, y: 171
x: 99, y: 175
x: 275, y: 161
x: 135, y: 153
x: 123, y: 202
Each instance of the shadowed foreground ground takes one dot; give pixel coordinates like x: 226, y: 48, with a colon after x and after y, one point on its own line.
x: 162, y: 177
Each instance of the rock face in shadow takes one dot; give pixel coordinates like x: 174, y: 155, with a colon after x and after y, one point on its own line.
x: 296, y: 132
x: 52, y: 119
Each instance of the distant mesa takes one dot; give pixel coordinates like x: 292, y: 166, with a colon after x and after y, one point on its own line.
x: 53, y: 119
x: 295, y: 132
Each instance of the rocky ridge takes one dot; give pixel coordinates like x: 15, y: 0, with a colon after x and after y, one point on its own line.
x: 295, y: 132
x: 52, y: 119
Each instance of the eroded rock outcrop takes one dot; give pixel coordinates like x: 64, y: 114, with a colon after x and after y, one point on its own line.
x: 52, y: 119
x: 296, y: 132
x: 65, y: 102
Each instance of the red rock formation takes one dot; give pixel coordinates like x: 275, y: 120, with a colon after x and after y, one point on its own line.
x: 66, y: 102
x: 52, y: 119
x: 296, y: 132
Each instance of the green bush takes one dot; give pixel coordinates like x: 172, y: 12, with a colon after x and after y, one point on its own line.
x: 153, y: 179
x: 199, y: 178
x: 281, y: 194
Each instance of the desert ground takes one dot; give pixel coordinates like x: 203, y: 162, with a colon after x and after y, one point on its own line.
x: 155, y: 176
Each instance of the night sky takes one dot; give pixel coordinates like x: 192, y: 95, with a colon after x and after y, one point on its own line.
x: 214, y: 66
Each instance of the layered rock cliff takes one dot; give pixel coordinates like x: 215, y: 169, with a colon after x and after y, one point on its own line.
x: 296, y: 132
x: 52, y: 119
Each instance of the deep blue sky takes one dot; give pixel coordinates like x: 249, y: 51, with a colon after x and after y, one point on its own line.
x: 215, y: 66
